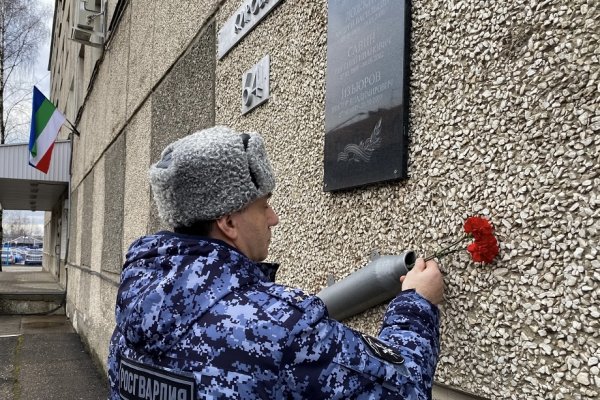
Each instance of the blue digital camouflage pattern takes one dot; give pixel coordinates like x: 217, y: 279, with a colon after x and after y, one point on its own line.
x: 197, y: 305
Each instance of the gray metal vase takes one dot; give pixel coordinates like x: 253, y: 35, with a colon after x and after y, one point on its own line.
x: 375, y: 283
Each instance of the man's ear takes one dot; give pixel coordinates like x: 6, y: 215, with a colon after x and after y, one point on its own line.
x: 227, y: 227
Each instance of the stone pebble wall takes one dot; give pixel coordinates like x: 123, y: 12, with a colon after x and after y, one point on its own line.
x: 505, y: 122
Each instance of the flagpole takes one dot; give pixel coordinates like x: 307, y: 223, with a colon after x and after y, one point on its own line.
x: 73, y: 129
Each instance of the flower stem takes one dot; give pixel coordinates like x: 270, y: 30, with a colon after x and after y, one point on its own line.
x: 441, y: 254
x: 444, y: 251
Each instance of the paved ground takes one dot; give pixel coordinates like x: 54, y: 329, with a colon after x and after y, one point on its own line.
x: 22, y: 279
x: 41, y: 356
x: 26, y: 290
x: 21, y: 268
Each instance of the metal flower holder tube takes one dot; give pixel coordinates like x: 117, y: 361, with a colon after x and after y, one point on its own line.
x: 375, y: 283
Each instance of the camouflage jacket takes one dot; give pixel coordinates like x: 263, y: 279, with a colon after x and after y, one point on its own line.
x: 197, y: 311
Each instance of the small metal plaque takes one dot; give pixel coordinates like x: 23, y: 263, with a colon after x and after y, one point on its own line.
x: 255, y: 85
x: 241, y: 22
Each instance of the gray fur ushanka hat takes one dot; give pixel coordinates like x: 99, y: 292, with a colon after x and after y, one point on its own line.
x: 209, y: 174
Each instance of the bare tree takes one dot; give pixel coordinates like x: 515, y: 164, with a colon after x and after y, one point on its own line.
x: 22, y: 30
x: 17, y: 225
x: 21, y: 223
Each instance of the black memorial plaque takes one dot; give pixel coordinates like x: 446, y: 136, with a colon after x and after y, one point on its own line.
x: 366, y: 103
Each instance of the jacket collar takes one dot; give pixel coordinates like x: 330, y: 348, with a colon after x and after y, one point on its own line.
x: 269, y: 270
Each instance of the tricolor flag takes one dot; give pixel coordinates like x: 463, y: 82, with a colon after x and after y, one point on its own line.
x: 46, y: 121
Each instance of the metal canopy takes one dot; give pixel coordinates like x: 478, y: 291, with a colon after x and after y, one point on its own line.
x: 23, y: 187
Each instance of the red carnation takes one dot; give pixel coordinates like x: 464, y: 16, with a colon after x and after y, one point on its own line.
x: 484, y: 250
x: 478, y: 227
x: 485, y: 247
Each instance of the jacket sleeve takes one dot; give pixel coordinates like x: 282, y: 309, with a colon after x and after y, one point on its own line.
x: 327, y: 359
x: 412, y: 323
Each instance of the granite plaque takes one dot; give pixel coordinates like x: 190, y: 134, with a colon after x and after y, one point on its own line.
x: 366, y: 102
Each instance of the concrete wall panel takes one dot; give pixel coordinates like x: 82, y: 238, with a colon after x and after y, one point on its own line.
x: 140, y: 78
x: 175, y: 25
x: 99, y: 213
x: 82, y: 301
x: 106, y: 319
x: 174, y: 117
x: 72, y: 294
x: 192, y: 78
x: 117, y: 59
x: 74, y: 229
x: 78, y: 155
x: 101, y: 320
x: 112, y: 249
x: 87, y: 220
x: 95, y: 312
x: 137, y: 188
x: 97, y: 128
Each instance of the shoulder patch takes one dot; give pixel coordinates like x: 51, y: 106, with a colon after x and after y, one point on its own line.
x: 140, y: 381
x: 288, y: 294
x: 381, y: 350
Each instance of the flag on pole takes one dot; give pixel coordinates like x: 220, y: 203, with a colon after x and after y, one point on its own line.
x: 46, y: 121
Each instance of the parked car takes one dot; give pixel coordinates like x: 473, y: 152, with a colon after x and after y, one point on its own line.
x: 19, y: 256
x: 7, y: 258
x: 33, y: 257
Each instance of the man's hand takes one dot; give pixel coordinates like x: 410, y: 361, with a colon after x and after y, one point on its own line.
x: 426, y: 279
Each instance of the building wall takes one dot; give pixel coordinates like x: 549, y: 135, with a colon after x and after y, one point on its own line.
x: 54, y: 258
x: 504, y: 123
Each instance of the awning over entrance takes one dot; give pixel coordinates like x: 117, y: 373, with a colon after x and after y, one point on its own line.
x: 23, y: 187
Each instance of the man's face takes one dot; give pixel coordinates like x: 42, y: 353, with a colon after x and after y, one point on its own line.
x: 254, y: 228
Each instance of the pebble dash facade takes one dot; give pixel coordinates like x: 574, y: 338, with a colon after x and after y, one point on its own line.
x: 504, y: 122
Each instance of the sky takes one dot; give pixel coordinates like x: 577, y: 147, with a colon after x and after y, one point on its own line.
x: 36, y: 74
x: 39, y: 77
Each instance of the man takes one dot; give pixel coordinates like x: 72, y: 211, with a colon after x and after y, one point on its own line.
x: 199, y: 316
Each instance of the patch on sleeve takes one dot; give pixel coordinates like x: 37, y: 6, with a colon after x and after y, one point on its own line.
x: 381, y: 350
x: 140, y: 382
